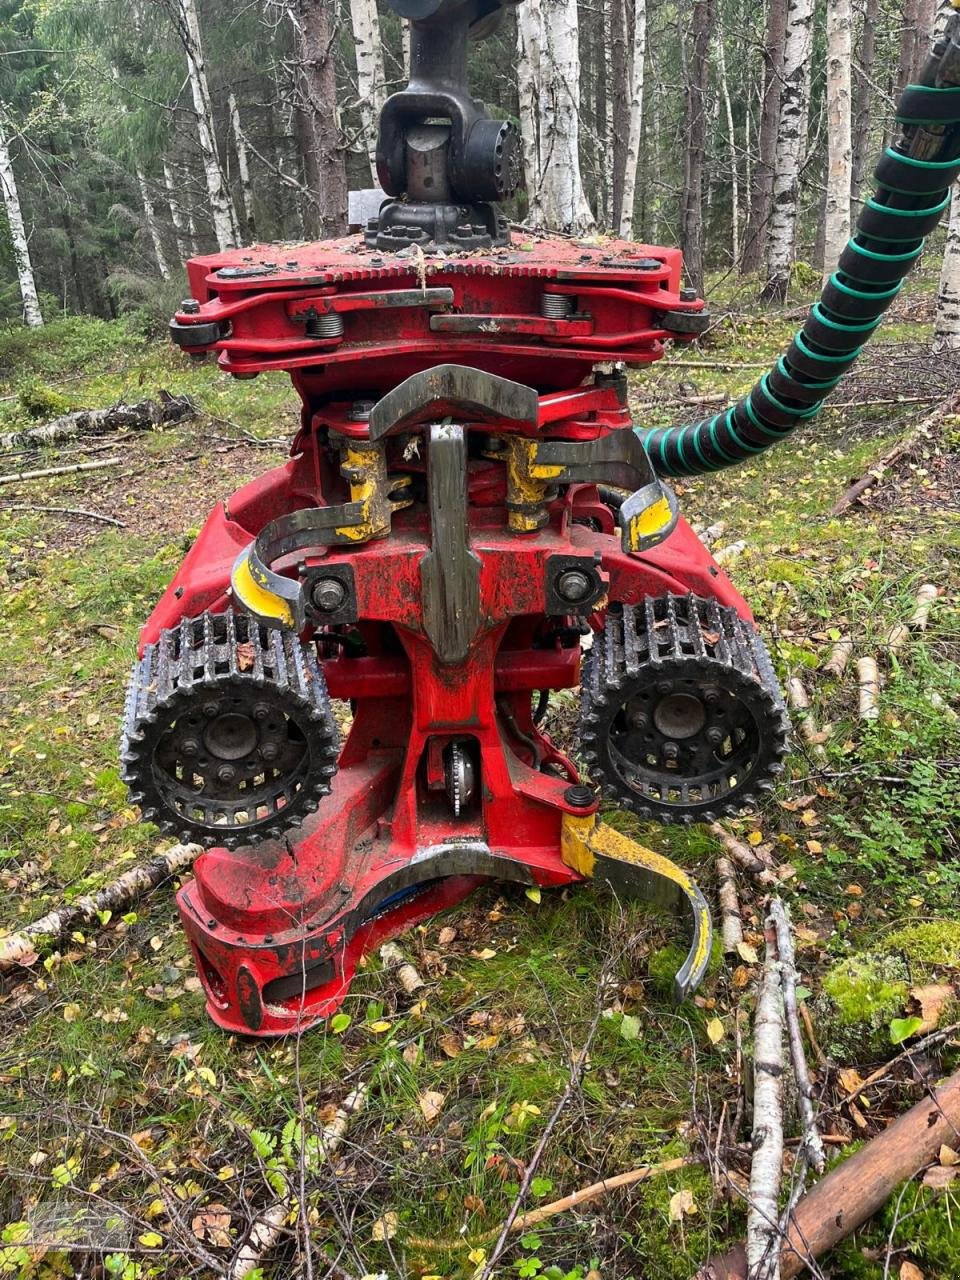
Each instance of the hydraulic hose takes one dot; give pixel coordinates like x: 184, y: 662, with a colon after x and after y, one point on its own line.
x: 914, y: 178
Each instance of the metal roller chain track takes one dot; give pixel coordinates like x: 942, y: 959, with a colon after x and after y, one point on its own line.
x: 682, y: 717
x: 228, y: 734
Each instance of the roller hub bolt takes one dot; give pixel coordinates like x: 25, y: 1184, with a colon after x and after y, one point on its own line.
x: 328, y: 595
x: 574, y: 586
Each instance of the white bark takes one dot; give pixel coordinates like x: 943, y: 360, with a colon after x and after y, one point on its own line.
x: 839, y: 132
x: 635, y: 133
x: 18, y: 237
x: 529, y: 32
x: 731, y: 153
x: 791, y: 143
x: 868, y: 679
x: 243, y: 165
x: 732, y: 925
x: 151, y: 220
x: 763, y: 1210
x: 548, y: 43
x: 185, y: 248
x: 946, y: 329
x: 371, y: 78
x: 221, y: 204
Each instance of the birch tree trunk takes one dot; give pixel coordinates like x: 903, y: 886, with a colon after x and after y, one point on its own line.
x: 243, y: 167
x: 371, y: 78
x: 946, y: 329
x: 549, y: 36
x: 185, y: 247
x: 695, y: 134
x: 18, y: 237
x: 762, y: 189
x: 221, y: 204
x: 839, y: 139
x: 617, y: 92
x: 731, y: 154
x: 316, y: 32
x: 791, y: 143
x: 862, y: 95
x: 150, y: 217
x: 635, y: 130
x: 529, y: 31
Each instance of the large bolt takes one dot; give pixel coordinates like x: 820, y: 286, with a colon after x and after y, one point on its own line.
x: 189, y: 747
x: 261, y: 710
x: 269, y: 751
x: 190, y: 307
x: 688, y: 295
x: 574, y: 586
x: 226, y: 773
x: 328, y: 595
x: 211, y: 709
x: 715, y: 735
x: 671, y: 751
x: 360, y: 410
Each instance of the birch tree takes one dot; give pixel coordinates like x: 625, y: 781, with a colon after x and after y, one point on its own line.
x: 222, y: 210
x: 635, y: 108
x: 243, y: 166
x: 791, y: 141
x: 549, y: 71
x: 695, y: 133
x: 839, y: 139
x: 371, y: 78
x: 153, y: 229
x: 18, y: 236
x: 946, y: 329
x: 761, y: 191
x: 731, y: 154
x: 185, y: 246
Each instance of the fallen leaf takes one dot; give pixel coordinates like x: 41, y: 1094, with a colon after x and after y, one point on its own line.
x: 748, y: 953
x: 754, y: 837
x: 446, y: 936
x: 450, y: 1044
x: 71, y: 1012
x: 629, y: 1027
x: 929, y: 1002
x: 948, y: 1156
x: 681, y: 1203
x: 715, y: 1031
x: 851, y: 1080
x: 379, y: 1027
x: 385, y: 1228
x: 533, y: 893
x: 431, y: 1104
x: 485, y: 954
x: 938, y: 1176
x: 411, y: 1054
x: 910, y: 1271
x: 213, y: 1224
x: 246, y: 656
x: 814, y: 846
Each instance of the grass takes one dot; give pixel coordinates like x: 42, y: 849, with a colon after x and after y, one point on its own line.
x: 131, y: 1124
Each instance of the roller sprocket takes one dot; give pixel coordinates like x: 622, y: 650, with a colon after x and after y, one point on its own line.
x: 228, y: 734
x: 682, y: 717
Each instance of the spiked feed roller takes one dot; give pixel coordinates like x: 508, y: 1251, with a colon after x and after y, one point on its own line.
x: 466, y: 499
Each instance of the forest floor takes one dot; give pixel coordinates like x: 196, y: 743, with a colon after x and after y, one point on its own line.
x: 149, y: 1140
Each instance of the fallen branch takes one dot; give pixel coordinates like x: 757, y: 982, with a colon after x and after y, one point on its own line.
x: 268, y: 1226
x: 141, y: 417
x: 763, y: 1233
x: 812, y: 1142
x: 921, y: 615
x: 64, y: 511
x: 20, y: 948
x: 744, y: 856
x: 732, y: 924
x: 868, y: 678
x: 854, y: 1191
x: 840, y: 655
x: 597, y: 1189
x: 407, y: 975
x: 809, y: 729
x: 876, y: 472
x: 19, y: 477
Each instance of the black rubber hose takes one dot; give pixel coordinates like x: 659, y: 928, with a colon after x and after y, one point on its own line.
x: 913, y: 178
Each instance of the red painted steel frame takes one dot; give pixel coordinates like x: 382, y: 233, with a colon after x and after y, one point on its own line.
x: 260, y: 918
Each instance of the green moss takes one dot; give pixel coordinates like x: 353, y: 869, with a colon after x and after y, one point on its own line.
x: 860, y: 996
x: 934, y: 944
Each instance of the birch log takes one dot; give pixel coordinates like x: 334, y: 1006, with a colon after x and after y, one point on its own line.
x: 21, y: 947
x: 946, y: 328
x: 268, y: 1226
x: 763, y: 1210
x: 743, y: 855
x: 839, y: 132
x: 43, y: 473
x: 407, y: 975
x: 868, y: 678
x: 18, y: 236
x: 791, y: 141
x: 840, y: 655
x: 731, y: 924
x: 142, y: 416
x: 924, y: 603
x: 809, y: 729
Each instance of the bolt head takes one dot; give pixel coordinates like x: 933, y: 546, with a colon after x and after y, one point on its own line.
x: 189, y: 747
x: 226, y: 773
x: 688, y: 295
x: 190, y: 307
x: 671, y: 751
x: 328, y: 595
x: 269, y: 751
x: 574, y: 586
x: 211, y: 709
x: 360, y: 410
x: 260, y: 711
x: 714, y: 736
x: 579, y: 797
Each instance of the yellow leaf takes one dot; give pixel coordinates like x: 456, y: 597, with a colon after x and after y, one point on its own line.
x: 379, y: 1027
x: 682, y: 1204
x: 754, y: 837
x: 485, y: 954
x: 431, y: 1104
x: 155, y: 1208
x: 151, y: 1240
x: 747, y: 953
x: 385, y: 1228
x: 208, y: 1076
x: 477, y: 1256
x: 715, y: 1032
x: 533, y: 893
x: 71, y: 1012
x: 948, y: 1156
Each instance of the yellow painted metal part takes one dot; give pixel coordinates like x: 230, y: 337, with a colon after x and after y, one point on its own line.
x: 365, y: 470
x: 650, y: 521
x: 594, y: 849
x: 255, y: 597
x: 527, y: 483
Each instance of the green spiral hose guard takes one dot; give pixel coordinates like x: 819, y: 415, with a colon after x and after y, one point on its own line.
x: 913, y: 177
